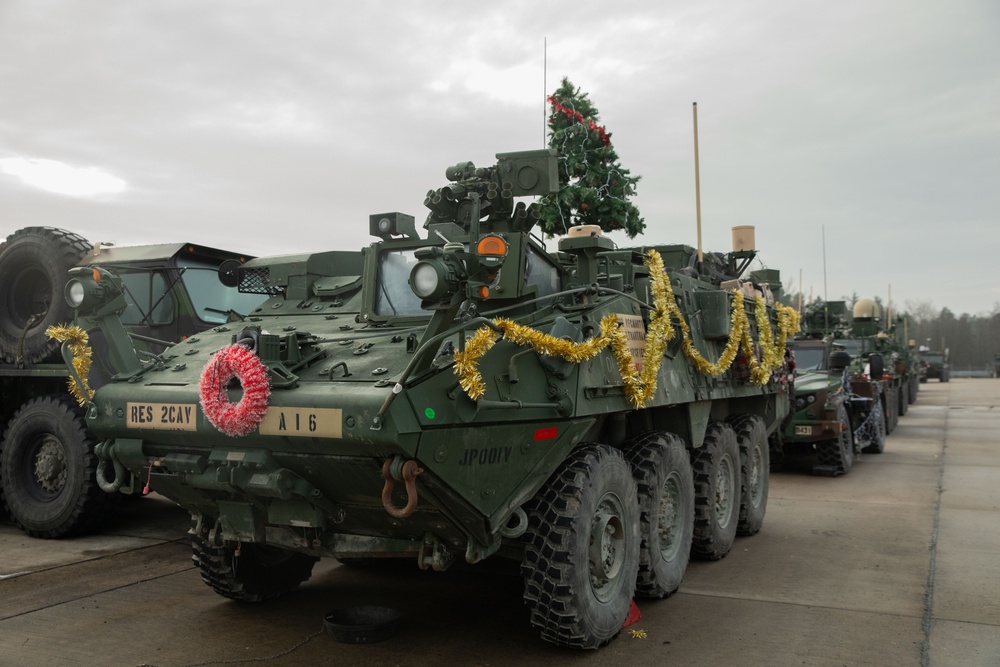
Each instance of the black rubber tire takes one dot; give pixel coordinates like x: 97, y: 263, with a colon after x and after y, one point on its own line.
x: 717, y: 484
x: 48, y: 470
x: 591, y: 495
x: 34, y: 262
x: 836, y: 457
x: 914, y: 388
x: 755, y: 467
x: 891, y: 409
x: 904, y: 398
x: 665, y: 485
x: 259, y: 573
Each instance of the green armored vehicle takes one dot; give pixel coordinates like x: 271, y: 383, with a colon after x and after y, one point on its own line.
x: 596, y: 414
x: 936, y: 365
x: 902, y: 363
x: 840, y: 398
x: 48, y: 482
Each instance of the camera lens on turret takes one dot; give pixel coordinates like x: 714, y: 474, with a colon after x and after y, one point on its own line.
x: 459, y: 171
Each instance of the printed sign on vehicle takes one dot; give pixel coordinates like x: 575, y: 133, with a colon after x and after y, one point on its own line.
x: 162, y: 416
x: 635, y: 336
x: 303, y: 422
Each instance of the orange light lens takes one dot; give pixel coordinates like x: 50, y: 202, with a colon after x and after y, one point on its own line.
x: 484, y: 292
x: 492, y: 245
x: 97, y: 276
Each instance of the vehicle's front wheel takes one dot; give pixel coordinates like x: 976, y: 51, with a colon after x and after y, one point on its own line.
x: 836, y: 457
x: 249, y: 572
x: 48, y: 478
x: 582, y: 549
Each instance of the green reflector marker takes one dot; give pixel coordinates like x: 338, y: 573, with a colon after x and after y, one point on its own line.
x: 429, y: 413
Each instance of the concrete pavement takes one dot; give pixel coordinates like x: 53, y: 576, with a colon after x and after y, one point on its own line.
x: 893, y: 564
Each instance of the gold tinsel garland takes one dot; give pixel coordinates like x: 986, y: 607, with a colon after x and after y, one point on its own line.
x: 79, y: 345
x: 640, y: 386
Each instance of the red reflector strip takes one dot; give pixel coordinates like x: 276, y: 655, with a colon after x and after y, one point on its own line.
x: 546, y: 434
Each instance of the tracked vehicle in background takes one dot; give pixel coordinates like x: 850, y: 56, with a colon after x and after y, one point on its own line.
x: 598, y: 413
x: 48, y: 478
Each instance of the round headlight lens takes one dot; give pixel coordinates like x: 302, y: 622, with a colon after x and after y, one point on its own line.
x: 75, y: 293
x: 424, y: 280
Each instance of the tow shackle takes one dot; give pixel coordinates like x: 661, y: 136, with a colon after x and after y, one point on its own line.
x: 408, y: 474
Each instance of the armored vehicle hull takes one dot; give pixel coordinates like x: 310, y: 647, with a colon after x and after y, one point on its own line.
x: 598, y: 414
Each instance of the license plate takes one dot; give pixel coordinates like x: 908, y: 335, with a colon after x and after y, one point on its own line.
x: 303, y: 422
x: 162, y: 416
x: 803, y: 430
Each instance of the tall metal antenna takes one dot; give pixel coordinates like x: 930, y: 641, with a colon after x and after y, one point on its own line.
x: 545, y: 92
x: 697, y: 180
x: 824, y: 263
x: 826, y: 301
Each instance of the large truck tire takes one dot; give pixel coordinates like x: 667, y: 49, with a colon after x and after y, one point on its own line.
x: 755, y: 467
x: 665, y: 483
x: 717, y: 491
x: 48, y: 480
x: 34, y: 262
x: 581, y: 553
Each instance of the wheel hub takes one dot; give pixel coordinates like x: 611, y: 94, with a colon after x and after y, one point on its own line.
x: 668, y: 517
x: 754, y: 482
x: 50, y: 466
x: 607, y: 547
x: 724, y: 491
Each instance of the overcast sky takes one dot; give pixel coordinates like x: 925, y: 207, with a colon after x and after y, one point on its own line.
x: 278, y: 127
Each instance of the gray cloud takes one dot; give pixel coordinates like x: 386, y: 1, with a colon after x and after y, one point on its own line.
x: 270, y: 127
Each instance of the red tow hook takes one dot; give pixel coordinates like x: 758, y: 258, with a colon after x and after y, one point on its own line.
x: 409, y: 473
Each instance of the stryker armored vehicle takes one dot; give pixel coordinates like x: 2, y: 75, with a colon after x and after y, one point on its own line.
x: 840, y: 398
x: 48, y: 480
x: 902, y: 362
x: 597, y: 414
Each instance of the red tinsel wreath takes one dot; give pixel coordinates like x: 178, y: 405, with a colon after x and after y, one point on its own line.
x: 235, y: 419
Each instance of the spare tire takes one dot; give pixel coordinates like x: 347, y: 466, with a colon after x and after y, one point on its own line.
x: 34, y: 262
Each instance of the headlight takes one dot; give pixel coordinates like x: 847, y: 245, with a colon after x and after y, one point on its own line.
x: 84, y: 290
x: 425, y: 279
x: 75, y: 292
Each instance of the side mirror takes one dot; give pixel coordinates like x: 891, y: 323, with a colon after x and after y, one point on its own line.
x: 228, y: 275
x: 876, y: 366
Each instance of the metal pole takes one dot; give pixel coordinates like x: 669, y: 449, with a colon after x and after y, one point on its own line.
x: 800, y: 292
x: 697, y: 180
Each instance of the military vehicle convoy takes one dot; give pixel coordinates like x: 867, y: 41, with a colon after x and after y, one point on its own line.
x: 845, y: 401
x: 597, y: 413
x: 48, y: 478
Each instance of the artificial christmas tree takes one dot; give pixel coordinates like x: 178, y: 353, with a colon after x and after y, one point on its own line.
x: 595, y: 188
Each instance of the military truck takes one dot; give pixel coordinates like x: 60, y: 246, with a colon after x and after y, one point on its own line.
x: 48, y: 481
x: 936, y: 365
x: 598, y: 414
x: 841, y: 399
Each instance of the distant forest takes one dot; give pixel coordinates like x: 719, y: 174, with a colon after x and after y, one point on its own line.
x: 973, y: 341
